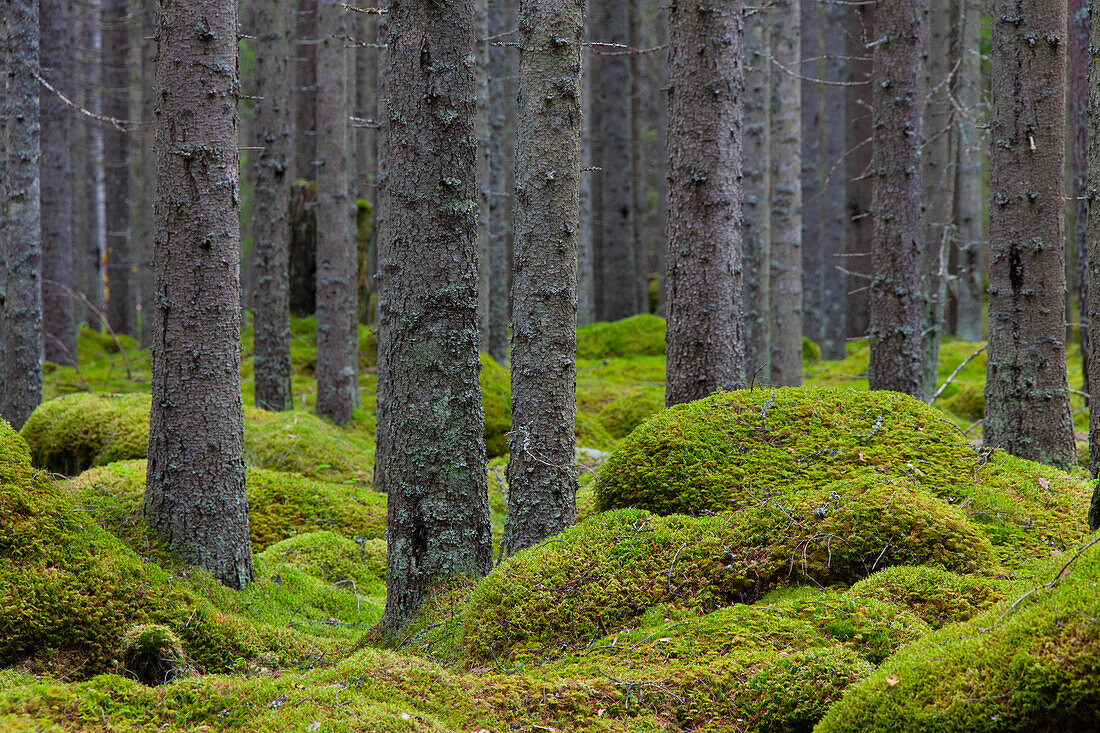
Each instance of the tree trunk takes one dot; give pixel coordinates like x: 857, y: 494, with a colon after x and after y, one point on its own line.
x: 637, y: 93
x: 937, y: 183
x: 144, y: 246
x: 22, y: 326
x: 542, y: 485
x: 304, y: 92
x: 1093, y: 353
x: 484, y: 262
x: 58, y: 326
x: 757, y: 175
x: 430, y: 459
x: 303, y: 248
x: 786, y: 196
x: 195, y: 483
x: 122, y: 295
x: 611, y: 82
x: 381, y: 138
x: 834, y: 157
x: 858, y: 145
x: 706, y: 85
x: 1078, y: 193
x: 270, y: 193
x: 586, y: 296
x: 502, y: 19
x: 1026, y: 402
x: 968, y: 187
x: 337, y: 308
x: 812, y: 255
x: 896, y: 357
x: 7, y: 58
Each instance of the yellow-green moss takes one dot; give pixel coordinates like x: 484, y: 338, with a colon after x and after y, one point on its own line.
x: 640, y: 335
x: 69, y: 434
x: 736, y: 449
x: 300, y: 442
x: 935, y: 595
x: 496, y: 401
x: 152, y: 654
x: 632, y: 409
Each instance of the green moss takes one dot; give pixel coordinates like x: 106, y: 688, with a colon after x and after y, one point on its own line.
x: 1028, y: 663
x: 630, y: 410
x: 152, y: 654
x: 496, y: 400
x: 72, y: 433
x: 736, y: 449
x: 105, y: 341
x: 935, y: 595
x: 641, y: 335
x: 811, y: 352
x: 591, y: 433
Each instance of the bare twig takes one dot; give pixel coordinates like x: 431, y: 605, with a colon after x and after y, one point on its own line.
x: 955, y: 373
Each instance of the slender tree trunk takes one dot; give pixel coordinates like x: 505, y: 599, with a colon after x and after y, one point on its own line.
x: 586, y: 297
x: 938, y: 182
x: 6, y: 57
x: 637, y: 93
x: 195, y: 484
x: 271, y: 191
x: 896, y: 357
x: 366, y: 151
x: 542, y: 486
x: 484, y: 261
x: 812, y: 255
x: 144, y: 245
x: 22, y: 327
x: 968, y: 187
x: 502, y: 19
x: 381, y: 138
x: 660, y: 160
x: 58, y: 327
x: 337, y: 308
x: 834, y: 215
x: 786, y: 196
x: 619, y: 264
x: 859, y: 153
x: 1078, y: 193
x: 706, y: 85
x: 1093, y: 353
x: 1026, y: 400
x: 755, y: 207
x: 91, y: 236
x: 121, y: 264
x: 304, y: 92
x: 430, y: 459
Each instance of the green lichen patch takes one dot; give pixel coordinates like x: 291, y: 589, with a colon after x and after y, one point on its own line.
x: 601, y: 575
x: 630, y: 410
x: 640, y: 335
x: 734, y: 449
x: 72, y: 433
x: 1028, y: 663
x: 935, y: 595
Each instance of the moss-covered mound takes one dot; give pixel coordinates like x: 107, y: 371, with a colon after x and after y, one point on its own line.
x: 632, y: 409
x: 1030, y: 663
x: 935, y: 595
x: 640, y: 335
x: 736, y: 449
x: 280, y: 505
x: 601, y: 575
x: 302, y: 443
x: 75, y: 432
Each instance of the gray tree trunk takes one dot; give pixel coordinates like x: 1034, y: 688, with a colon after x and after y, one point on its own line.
x: 1026, y: 400
x: 381, y: 179
x: 610, y: 83
x: 542, y: 484
x: 121, y: 264
x: 1093, y: 353
x: 896, y: 305
x: 304, y: 91
x: 195, y: 484
x: 968, y: 186
x: 484, y: 151
x: 755, y: 207
x: 430, y: 459
x: 586, y: 296
x: 1078, y: 60
x: 58, y: 325
x: 858, y: 144
x: 834, y: 213
x: 6, y: 58
x: 937, y: 183
x: 144, y: 245
x: 706, y: 85
x: 91, y: 236
x: 270, y: 255
x: 812, y: 255
x: 786, y: 195
x: 337, y: 306
x: 502, y: 19
x: 637, y: 92
x: 21, y: 329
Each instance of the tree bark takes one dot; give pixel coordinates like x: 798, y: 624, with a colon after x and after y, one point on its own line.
x: 812, y: 255
x: 22, y: 325
x: 786, y: 196
x: 195, y: 484
x: 834, y: 157
x: 270, y: 256
x: 430, y: 459
x: 337, y: 307
x: 896, y: 305
x: 58, y: 326
x: 1093, y: 353
x: 1078, y: 61
x: 502, y: 19
x: 757, y: 175
x: 121, y: 265
x: 706, y: 86
x: 481, y: 124
x: 144, y: 246
x: 586, y: 278
x: 304, y: 92
x: 1026, y: 400
x: 542, y: 485
x: 968, y: 187
x: 858, y: 145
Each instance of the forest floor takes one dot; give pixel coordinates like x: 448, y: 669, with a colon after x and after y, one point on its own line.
x: 821, y: 558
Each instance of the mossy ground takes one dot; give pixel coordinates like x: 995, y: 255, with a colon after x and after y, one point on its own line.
x: 858, y: 573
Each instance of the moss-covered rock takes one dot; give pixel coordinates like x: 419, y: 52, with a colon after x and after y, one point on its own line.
x: 1029, y: 663
x: 935, y: 595
x: 640, y: 335
x: 631, y: 410
x: 75, y: 432
x: 736, y: 449
x: 302, y: 443
x: 152, y: 654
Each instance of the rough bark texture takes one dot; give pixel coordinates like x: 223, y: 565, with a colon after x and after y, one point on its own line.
x: 756, y: 229
x: 430, y: 459
x: 858, y: 144
x: 1078, y: 129
x: 270, y: 254
x: 896, y: 303
x: 481, y: 125
x: 1026, y: 402
x: 5, y: 57
x: 58, y: 326
x: 637, y: 92
x: 786, y: 196
x: 611, y: 82
x: 834, y: 215
x: 303, y: 248
x: 21, y: 329
x: 122, y: 282
x: 304, y: 90
x: 706, y: 85
x: 1093, y: 353
x: 542, y: 485
x: 91, y: 242
x: 502, y: 19
x: 337, y: 304
x: 586, y: 296
x: 382, y: 116
x: 812, y: 256
x: 968, y: 185
x: 195, y: 484
x: 143, y: 245
x: 937, y: 184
